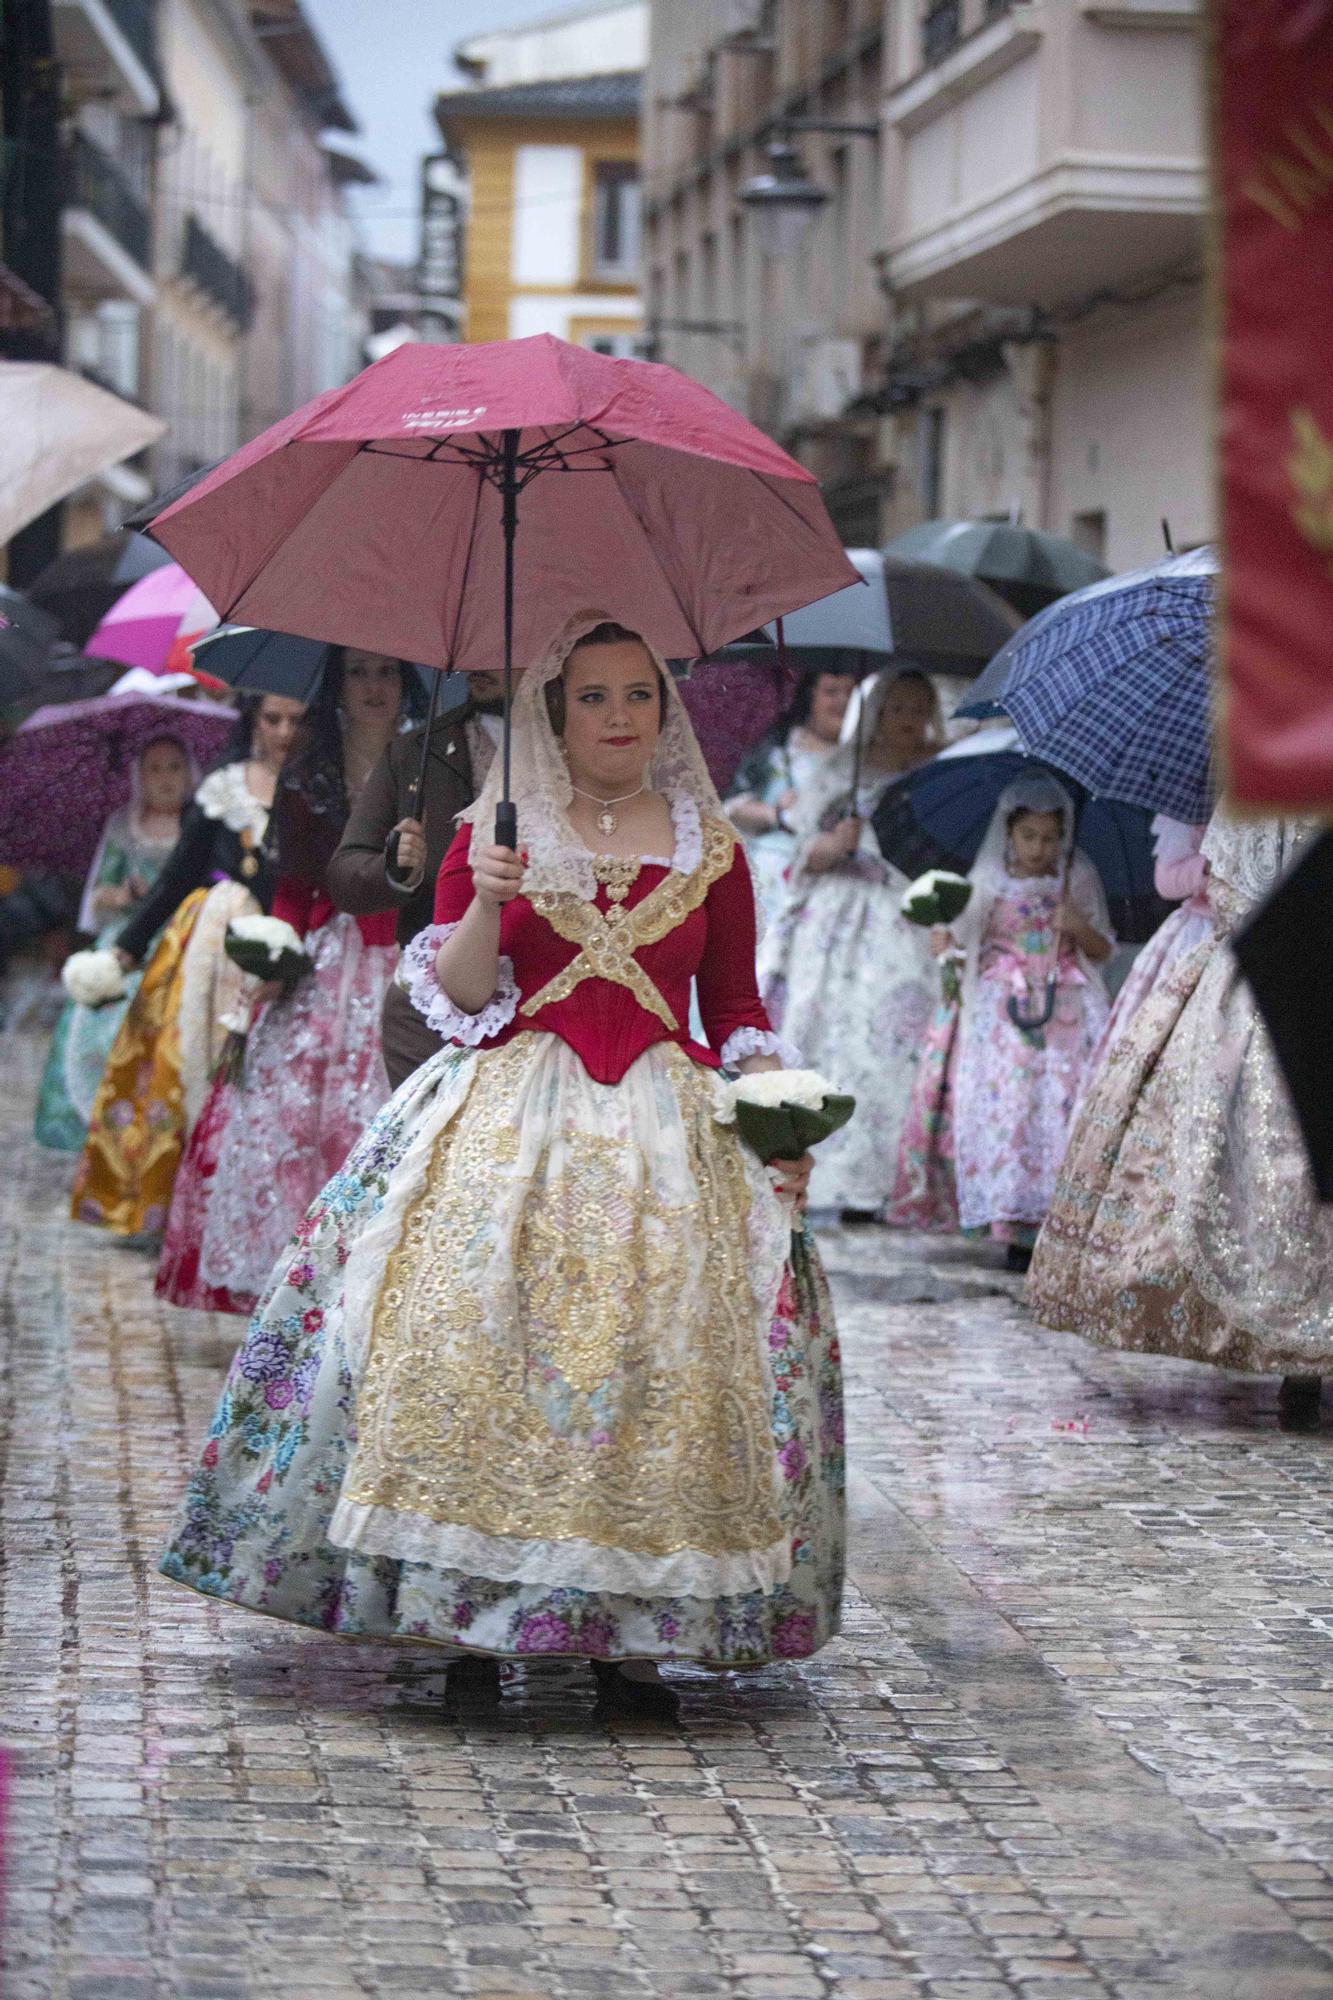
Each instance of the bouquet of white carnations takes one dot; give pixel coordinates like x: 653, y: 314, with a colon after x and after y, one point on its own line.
x: 267, y: 948
x: 93, y: 978
x: 781, y: 1113
x: 937, y: 898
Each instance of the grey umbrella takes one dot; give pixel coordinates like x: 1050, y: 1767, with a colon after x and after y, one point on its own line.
x: 1028, y: 567
x: 936, y: 617
x: 27, y: 635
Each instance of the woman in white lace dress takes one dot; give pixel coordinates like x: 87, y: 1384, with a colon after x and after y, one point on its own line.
x: 849, y: 982
x: 546, y: 1370
x: 1185, y: 1220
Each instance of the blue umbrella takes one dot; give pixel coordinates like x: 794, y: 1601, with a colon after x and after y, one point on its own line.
x: 937, y: 816
x: 1112, y: 685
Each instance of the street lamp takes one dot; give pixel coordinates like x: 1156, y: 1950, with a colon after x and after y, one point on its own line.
x: 784, y: 200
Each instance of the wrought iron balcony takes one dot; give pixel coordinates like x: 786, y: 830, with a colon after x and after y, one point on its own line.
x: 96, y: 183
x: 206, y: 264
x: 941, y: 28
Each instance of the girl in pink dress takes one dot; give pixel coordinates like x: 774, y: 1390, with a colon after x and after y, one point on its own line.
x: 1034, y: 1003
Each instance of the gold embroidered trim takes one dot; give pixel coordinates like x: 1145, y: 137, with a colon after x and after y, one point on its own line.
x: 609, y: 940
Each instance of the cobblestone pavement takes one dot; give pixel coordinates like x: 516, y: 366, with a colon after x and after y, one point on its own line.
x: 1074, y: 1740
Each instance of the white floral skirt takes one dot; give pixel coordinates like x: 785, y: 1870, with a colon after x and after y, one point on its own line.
x: 544, y: 1372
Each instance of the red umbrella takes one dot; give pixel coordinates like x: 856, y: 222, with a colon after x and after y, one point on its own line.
x: 384, y: 513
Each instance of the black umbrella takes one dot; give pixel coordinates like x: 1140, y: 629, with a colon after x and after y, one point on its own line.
x: 1026, y: 566
x: 80, y: 587
x: 27, y: 635
x: 252, y: 659
x: 1286, y: 953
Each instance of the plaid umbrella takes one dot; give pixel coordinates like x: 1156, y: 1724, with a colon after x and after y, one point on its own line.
x: 1112, y: 685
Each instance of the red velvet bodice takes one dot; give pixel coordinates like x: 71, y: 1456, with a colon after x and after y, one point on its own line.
x: 603, y: 1019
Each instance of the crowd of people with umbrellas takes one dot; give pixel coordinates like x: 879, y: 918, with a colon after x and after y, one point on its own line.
x: 424, y: 955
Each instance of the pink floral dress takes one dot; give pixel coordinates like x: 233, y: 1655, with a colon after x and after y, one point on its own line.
x: 1016, y: 1086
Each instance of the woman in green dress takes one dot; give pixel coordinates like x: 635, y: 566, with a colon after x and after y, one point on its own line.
x: 135, y: 843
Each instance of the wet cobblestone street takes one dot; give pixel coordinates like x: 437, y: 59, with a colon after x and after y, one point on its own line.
x: 1075, y: 1738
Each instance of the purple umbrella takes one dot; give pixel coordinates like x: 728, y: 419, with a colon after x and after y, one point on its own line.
x: 68, y: 768
x: 732, y: 701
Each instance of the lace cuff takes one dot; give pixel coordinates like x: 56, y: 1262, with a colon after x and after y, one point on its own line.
x: 416, y: 976
x: 742, y: 1042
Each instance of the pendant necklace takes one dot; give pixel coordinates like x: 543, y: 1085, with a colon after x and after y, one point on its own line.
x: 606, y: 819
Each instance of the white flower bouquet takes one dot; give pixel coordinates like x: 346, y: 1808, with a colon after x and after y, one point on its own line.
x: 938, y: 898
x: 93, y: 978
x: 781, y: 1113
x: 267, y: 948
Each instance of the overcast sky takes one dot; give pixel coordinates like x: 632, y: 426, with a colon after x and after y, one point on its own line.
x: 392, y: 57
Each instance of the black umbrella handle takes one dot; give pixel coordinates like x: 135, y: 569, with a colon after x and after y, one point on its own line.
x: 392, y: 866
x: 1032, y: 1021
x: 506, y: 825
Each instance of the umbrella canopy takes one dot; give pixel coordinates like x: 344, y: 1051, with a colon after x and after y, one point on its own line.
x: 937, y: 816
x: 67, y: 769
x: 376, y: 516
x: 1028, y: 567
x: 56, y: 432
x: 1113, y: 684
x: 939, y: 617
x: 80, y: 587
x: 250, y: 659
x: 155, y: 622
x: 732, y: 701
x: 27, y: 635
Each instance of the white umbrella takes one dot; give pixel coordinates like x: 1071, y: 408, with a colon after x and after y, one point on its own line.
x: 56, y: 432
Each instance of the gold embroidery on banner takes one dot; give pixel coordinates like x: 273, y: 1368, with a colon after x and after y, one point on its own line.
x: 609, y: 940
x: 565, y: 1344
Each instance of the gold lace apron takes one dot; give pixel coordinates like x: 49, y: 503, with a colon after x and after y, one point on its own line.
x: 566, y: 1378
x: 137, y: 1130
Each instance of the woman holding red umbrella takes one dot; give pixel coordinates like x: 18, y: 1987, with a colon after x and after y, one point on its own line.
x: 545, y: 1370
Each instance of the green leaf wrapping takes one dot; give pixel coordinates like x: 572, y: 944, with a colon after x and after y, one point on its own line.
x: 785, y: 1131
x: 936, y: 898
x: 256, y: 959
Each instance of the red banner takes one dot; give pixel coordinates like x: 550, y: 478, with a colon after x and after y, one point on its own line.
x: 1273, y: 178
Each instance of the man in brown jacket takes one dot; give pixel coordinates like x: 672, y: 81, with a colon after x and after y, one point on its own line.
x: 359, y: 881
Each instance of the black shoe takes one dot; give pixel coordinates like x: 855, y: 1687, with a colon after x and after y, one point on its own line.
x: 858, y: 1218
x: 628, y: 1697
x: 1298, y: 1402
x: 1018, y: 1257
x: 472, y: 1682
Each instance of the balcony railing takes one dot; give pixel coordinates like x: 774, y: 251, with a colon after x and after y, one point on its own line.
x: 941, y: 28
x: 96, y: 183
x: 134, y: 18
x: 206, y: 264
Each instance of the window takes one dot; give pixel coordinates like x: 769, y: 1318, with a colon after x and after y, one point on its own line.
x: 932, y: 462
x: 615, y: 221
x: 1088, y: 532
x: 940, y: 28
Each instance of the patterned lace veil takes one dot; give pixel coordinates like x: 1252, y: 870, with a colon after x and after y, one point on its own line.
x: 558, y: 861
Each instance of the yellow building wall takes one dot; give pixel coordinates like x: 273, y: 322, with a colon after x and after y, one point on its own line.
x: 488, y: 286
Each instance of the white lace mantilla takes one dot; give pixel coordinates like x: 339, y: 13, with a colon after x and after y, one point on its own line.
x: 224, y: 795
x: 416, y: 976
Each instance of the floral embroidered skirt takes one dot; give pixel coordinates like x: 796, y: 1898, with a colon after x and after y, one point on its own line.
x: 543, y: 1372
x: 262, y: 1148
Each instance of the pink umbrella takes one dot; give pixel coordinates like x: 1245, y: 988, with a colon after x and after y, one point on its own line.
x: 155, y: 622
x: 68, y: 768
x: 384, y: 514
